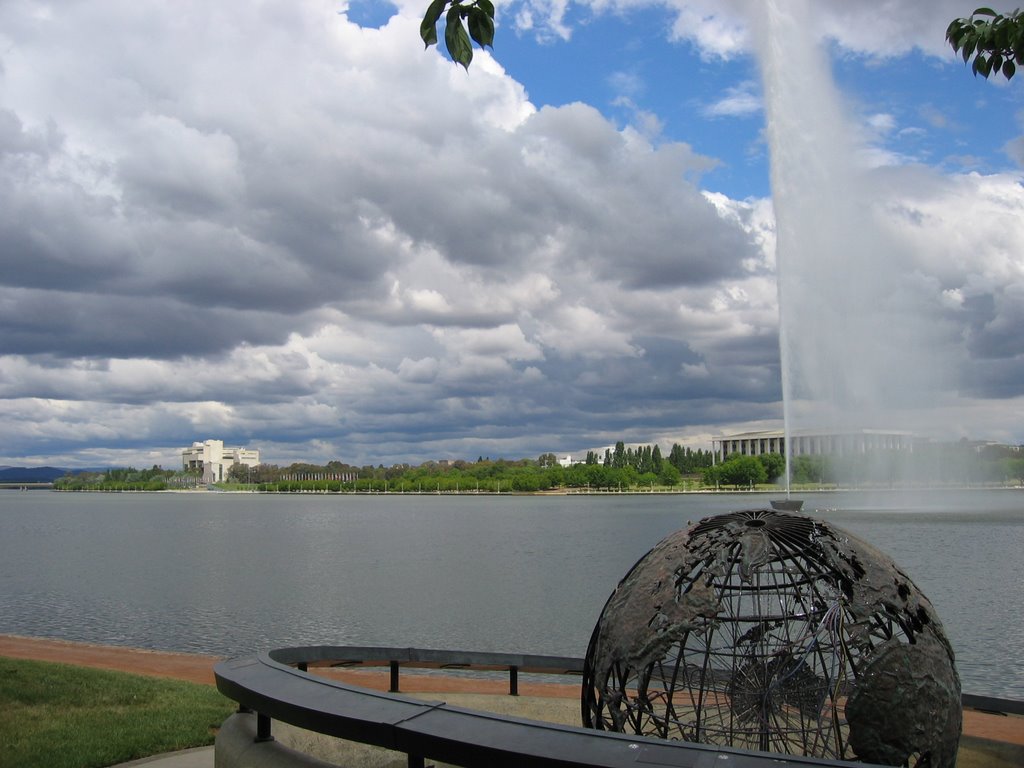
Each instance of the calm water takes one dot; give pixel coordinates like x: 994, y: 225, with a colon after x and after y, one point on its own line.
x: 229, y: 574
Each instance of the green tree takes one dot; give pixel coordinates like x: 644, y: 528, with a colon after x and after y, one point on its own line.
x: 668, y: 475
x: 713, y: 475
x: 1012, y: 469
x: 740, y: 471
x: 689, y: 461
x: 809, y: 469
x: 645, y: 460
x: 552, y: 477
x: 619, y: 457
x: 774, y: 465
x: 995, y: 40
x: 239, y: 473
x: 478, y: 18
x: 676, y: 456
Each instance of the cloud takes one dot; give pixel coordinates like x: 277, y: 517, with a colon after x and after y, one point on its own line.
x: 719, y: 28
x: 738, y: 101
x: 882, y: 123
x: 329, y: 234
x: 966, y: 236
x: 546, y: 19
x: 268, y: 224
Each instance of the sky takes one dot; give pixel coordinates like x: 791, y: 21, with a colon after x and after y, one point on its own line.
x: 284, y: 224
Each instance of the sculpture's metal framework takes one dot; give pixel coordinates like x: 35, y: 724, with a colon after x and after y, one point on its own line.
x: 774, y: 631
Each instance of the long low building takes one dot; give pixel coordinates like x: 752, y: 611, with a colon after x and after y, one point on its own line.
x: 807, y: 443
x: 215, y: 460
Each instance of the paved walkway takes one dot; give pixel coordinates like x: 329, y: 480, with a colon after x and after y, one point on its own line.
x: 201, y: 757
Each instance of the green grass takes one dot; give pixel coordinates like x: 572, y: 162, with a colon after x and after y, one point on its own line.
x: 63, y: 716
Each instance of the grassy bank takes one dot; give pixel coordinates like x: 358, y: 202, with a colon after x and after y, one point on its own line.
x: 62, y: 716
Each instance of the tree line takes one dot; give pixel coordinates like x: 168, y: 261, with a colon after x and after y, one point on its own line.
x: 123, y: 479
x: 620, y: 468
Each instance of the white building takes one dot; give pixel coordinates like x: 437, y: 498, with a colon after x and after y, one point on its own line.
x: 852, y: 443
x: 215, y: 460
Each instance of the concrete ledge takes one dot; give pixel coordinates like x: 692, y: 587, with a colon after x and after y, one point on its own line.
x: 236, y: 747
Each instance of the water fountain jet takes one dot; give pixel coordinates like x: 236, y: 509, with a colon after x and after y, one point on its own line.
x: 855, y: 353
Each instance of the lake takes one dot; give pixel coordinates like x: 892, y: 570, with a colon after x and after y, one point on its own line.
x: 229, y: 574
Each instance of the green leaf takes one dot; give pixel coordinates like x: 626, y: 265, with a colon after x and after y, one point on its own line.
x: 486, y: 6
x: 428, y: 27
x: 434, y: 11
x: 428, y: 34
x: 1002, y: 37
x: 984, y: 12
x: 456, y: 38
x: 1008, y: 69
x: 481, y: 27
x: 969, y: 49
x: 953, y: 34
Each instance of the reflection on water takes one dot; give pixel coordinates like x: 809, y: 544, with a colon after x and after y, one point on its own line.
x: 229, y: 574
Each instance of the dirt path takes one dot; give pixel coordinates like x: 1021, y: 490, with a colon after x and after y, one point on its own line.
x: 181, y: 666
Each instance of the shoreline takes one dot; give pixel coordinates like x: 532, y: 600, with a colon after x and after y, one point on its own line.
x: 561, y: 492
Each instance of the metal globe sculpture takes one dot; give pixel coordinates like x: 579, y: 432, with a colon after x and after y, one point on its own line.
x: 776, y: 632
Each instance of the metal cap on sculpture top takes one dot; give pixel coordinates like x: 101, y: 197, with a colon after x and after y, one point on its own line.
x: 774, y: 631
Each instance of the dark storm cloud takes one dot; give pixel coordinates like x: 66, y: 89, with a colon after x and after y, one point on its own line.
x: 996, y: 320
x: 180, y: 206
x: 565, y: 179
x: 94, y: 325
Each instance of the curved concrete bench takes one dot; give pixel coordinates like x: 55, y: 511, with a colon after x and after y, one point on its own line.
x: 434, y: 729
x: 277, y: 687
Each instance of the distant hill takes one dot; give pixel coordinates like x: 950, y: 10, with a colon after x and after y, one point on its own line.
x: 31, y: 474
